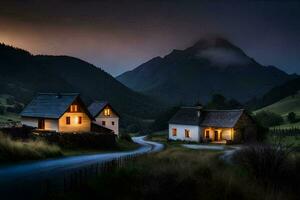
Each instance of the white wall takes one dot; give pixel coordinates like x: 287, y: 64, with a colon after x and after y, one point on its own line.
x: 194, y: 132
x: 108, y: 121
x: 28, y: 121
x: 50, y: 124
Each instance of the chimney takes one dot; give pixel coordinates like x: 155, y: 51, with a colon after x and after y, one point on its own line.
x: 199, y: 108
x: 58, y: 96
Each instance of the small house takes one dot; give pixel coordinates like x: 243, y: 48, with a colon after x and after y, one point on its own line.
x: 60, y: 112
x: 104, y: 115
x: 219, y: 126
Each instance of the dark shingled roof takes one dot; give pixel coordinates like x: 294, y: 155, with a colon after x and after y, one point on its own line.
x: 97, y: 106
x: 186, y: 116
x: 220, y: 118
x: 49, y: 105
x: 210, y: 118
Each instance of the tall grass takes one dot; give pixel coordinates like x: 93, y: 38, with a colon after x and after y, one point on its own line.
x: 17, y: 150
x: 175, y: 174
x: 275, y: 165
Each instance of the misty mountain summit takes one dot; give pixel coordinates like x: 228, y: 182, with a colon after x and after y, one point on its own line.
x: 210, y: 66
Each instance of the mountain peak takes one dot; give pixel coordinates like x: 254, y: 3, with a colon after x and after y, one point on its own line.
x: 211, y: 65
x: 219, y: 52
x: 212, y: 42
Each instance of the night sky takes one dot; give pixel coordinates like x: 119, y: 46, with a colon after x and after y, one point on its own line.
x: 120, y: 35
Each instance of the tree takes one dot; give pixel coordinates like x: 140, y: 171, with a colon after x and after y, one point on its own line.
x: 161, y: 122
x: 292, y: 118
x: 218, y: 101
x: 234, y: 104
x: 2, y: 110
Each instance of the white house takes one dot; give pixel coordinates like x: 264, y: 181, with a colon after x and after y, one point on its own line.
x: 104, y: 115
x: 197, y: 124
x: 60, y: 112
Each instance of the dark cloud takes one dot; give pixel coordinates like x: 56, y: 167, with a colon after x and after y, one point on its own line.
x: 119, y: 35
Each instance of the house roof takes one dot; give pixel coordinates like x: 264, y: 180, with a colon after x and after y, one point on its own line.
x: 208, y: 118
x: 97, y: 106
x: 220, y: 118
x: 186, y: 115
x: 49, y: 105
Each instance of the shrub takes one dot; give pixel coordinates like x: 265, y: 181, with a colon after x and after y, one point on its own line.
x: 262, y: 132
x: 24, y: 132
x: 268, y: 163
x: 126, y: 137
x: 81, y: 140
x: 292, y: 118
x: 2, y: 110
x: 268, y: 119
x: 17, y: 150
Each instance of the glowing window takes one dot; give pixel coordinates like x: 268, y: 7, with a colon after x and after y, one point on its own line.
x: 174, y: 131
x: 74, y: 108
x: 187, y: 133
x: 107, y: 112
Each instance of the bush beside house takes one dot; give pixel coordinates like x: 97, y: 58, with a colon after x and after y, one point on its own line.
x: 90, y: 140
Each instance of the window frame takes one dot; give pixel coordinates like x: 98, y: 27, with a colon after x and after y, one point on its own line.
x: 74, y: 108
x: 187, y: 133
x: 207, y: 134
x: 174, y: 132
x: 107, y: 111
x: 68, y: 120
x: 103, y: 123
x: 79, y: 120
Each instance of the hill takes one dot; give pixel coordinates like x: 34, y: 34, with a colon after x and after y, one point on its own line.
x: 23, y: 75
x: 277, y: 93
x: 284, y: 106
x: 211, y: 66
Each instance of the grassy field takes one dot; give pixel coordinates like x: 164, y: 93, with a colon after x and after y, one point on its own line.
x: 7, y: 101
x: 9, y: 116
x: 283, y: 107
x: 177, y: 173
x: 17, y: 150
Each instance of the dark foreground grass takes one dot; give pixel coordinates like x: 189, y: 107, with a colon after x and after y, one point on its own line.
x: 17, y: 150
x: 275, y: 165
x: 176, y: 173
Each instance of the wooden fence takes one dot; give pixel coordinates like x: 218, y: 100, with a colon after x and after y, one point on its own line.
x: 285, y: 132
x: 76, y: 178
